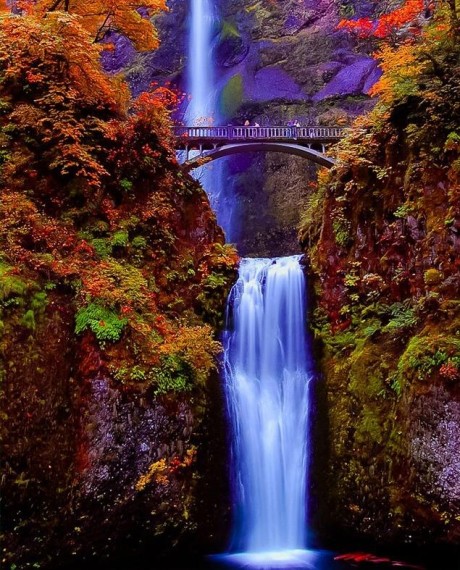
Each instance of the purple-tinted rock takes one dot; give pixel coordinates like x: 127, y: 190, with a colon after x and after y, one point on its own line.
x: 231, y: 51
x: 345, y: 55
x: 329, y: 69
x: 350, y: 80
x: 435, y: 445
x: 121, y: 56
x: 372, y: 78
x: 273, y: 83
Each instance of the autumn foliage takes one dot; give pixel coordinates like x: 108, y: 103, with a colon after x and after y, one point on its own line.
x: 409, y: 14
x: 407, y: 149
x: 101, y: 17
x: 92, y: 200
x: 412, y: 40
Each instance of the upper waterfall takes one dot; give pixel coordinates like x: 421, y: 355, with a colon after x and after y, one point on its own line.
x: 200, y: 110
x: 203, y: 109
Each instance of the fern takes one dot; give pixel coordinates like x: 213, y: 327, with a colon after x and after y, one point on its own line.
x: 173, y: 376
x: 106, y: 324
x: 403, y: 317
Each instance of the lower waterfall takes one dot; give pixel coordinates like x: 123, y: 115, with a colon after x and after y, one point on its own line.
x: 267, y: 369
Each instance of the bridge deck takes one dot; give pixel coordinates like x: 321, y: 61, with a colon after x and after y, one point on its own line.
x: 222, y: 135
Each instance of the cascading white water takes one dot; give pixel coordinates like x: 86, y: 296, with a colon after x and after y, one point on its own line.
x: 203, y: 109
x: 267, y: 372
x: 200, y: 110
x: 267, y: 368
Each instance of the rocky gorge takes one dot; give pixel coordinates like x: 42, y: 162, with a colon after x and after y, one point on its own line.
x: 381, y: 292
x: 114, y: 275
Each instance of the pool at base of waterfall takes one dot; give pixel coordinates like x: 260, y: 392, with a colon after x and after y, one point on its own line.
x: 281, y: 559
x: 329, y: 560
x: 404, y: 557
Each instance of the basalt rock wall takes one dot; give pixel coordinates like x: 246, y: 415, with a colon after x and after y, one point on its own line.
x: 95, y: 467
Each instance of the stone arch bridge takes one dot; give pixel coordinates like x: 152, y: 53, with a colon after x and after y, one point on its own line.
x: 309, y: 142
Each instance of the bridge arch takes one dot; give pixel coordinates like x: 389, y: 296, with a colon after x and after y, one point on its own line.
x: 239, y: 147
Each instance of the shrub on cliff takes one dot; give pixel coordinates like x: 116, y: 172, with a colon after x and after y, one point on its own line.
x: 84, y: 181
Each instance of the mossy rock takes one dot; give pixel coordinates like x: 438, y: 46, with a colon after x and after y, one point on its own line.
x: 232, y: 47
x: 231, y: 96
x: 367, y: 372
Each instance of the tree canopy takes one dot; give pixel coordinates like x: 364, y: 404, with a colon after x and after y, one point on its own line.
x: 100, y: 17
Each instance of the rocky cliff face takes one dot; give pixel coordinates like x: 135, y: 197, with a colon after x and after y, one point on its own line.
x: 292, y: 63
x: 97, y: 461
x: 383, y: 236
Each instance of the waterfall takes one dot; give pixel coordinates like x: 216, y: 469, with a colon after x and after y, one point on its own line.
x: 267, y: 370
x: 201, y: 108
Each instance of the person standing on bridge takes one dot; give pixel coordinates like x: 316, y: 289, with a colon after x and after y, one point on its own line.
x: 295, y: 124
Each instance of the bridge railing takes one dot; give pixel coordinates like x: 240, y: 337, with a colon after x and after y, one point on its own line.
x: 230, y: 133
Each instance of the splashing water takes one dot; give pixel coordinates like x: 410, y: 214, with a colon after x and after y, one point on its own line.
x: 267, y: 372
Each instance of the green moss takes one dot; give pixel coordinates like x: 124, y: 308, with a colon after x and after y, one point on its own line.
x: 174, y: 375
x: 368, y: 427
x: 28, y: 320
x: 120, y: 239
x: 126, y: 185
x: 366, y: 373
x: 214, y: 291
x: 425, y: 354
x: 102, y: 246
x: 105, y: 323
x: 229, y: 31
x: 38, y: 305
x: 231, y: 96
x: 396, y: 440
x: 139, y: 242
x: 11, y: 285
